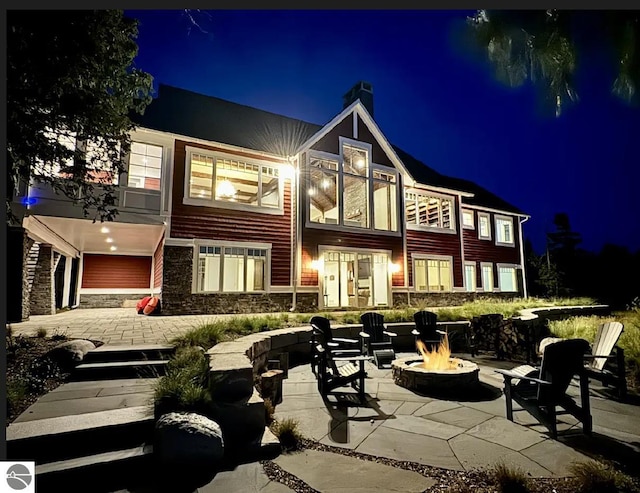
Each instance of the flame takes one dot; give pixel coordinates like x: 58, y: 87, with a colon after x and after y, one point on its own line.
x: 439, y: 358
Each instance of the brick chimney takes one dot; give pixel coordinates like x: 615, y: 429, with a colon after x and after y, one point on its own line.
x: 362, y: 91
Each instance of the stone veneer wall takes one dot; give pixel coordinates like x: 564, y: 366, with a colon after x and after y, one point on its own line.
x: 177, y: 298
x: 43, y: 296
x: 110, y: 300
x: 18, y: 295
x: 446, y: 299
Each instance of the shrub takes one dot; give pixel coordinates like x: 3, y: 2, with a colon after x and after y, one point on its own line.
x: 269, y: 411
x: 288, y: 433
x: 16, y: 392
x: 183, y: 387
x: 41, y: 333
x: 597, y: 477
x: 206, y: 335
x: 510, y: 479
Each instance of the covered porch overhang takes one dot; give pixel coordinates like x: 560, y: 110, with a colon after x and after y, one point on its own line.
x: 71, y: 236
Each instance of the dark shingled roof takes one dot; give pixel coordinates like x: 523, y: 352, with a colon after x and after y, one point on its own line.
x: 204, y: 117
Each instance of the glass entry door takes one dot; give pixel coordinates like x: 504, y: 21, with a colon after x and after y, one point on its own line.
x: 355, y: 280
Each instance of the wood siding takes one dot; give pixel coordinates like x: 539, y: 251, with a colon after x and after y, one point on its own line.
x: 432, y: 243
x: 378, y: 155
x: 330, y: 142
x: 312, y: 238
x: 198, y: 222
x: 157, y: 264
x: 116, y: 271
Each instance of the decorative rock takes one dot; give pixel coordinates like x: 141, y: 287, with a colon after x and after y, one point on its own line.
x: 188, y: 439
x: 70, y: 353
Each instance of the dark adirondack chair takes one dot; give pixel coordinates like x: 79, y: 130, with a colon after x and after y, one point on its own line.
x: 427, y: 330
x: 376, y: 340
x: 322, y: 334
x: 605, y: 362
x: 539, y: 390
x: 340, y: 371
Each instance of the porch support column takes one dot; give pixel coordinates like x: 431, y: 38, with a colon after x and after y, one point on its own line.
x: 18, y: 247
x: 43, y: 293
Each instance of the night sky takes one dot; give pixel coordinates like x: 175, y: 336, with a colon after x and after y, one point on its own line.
x: 433, y: 97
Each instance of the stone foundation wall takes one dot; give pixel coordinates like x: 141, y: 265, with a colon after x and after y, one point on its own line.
x: 18, y: 291
x: 42, y: 298
x: 446, y: 299
x: 110, y: 300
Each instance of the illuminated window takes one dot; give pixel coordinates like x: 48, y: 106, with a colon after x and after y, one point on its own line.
x: 487, y: 276
x: 231, y: 269
x: 467, y: 219
x: 504, y: 230
x: 145, y: 166
x: 484, y: 229
x: 219, y: 179
x: 432, y: 274
x: 507, y: 279
x: 429, y: 211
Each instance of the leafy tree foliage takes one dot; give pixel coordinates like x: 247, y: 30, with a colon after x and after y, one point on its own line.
x: 545, y: 46
x: 71, y: 79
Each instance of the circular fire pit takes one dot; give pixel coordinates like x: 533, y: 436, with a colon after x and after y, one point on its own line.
x: 409, y: 373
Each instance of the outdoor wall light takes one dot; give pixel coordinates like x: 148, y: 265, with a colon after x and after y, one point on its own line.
x: 316, y: 264
x: 394, y: 268
x: 288, y: 171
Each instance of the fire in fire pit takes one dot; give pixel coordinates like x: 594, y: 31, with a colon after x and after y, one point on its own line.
x: 436, y: 371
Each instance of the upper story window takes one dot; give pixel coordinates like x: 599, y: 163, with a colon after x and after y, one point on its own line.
x: 467, y: 219
x: 504, y: 231
x: 349, y: 190
x: 224, y: 181
x: 425, y: 210
x: 145, y: 166
x: 484, y: 228
x: 97, y: 165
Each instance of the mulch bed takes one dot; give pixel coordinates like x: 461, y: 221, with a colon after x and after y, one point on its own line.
x: 30, y: 373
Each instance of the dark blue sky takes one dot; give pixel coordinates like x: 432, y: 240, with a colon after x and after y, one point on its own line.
x: 432, y: 97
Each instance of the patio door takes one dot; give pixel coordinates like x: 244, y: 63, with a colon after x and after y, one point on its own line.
x: 352, y: 279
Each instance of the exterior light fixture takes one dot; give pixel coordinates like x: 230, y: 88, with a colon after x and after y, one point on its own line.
x: 225, y: 189
x: 394, y: 268
x: 104, y: 229
x: 315, y: 264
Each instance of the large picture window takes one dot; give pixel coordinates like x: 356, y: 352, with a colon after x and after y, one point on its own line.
x: 231, y: 269
x: 427, y: 211
x: 432, y: 274
x: 349, y: 190
x: 222, y: 179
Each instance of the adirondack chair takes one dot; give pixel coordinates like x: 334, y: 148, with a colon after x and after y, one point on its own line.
x: 426, y: 330
x: 604, y: 352
x: 339, y: 371
x: 321, y: 333
x: 540, y: 390
x: 376, y: 340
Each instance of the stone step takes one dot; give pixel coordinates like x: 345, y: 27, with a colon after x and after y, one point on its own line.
x: 65, y: 437
x: 103, y: 472
x: 141, y: 352
x: 119, y: 369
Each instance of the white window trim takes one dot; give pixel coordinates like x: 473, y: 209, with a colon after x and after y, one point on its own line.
x: 221, y: 204
x: 488, y: 216
x: 420, y: 227
x: 504, y: 218
x: 423, y: 256
x: 493, y: 277
x: 515, y: 268
x: 340, y: 175
x: 237, y: 244
x: 473, y: 219
x: 475, y: 275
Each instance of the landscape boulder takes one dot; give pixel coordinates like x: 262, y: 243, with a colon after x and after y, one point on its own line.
x: 71, y: 353
x: 188, y: 439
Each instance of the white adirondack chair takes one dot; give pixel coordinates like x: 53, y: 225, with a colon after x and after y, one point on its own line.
x: 603, y: 350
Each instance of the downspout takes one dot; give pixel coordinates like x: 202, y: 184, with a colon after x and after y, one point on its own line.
x: 522, y: 266
x: 461, y: 232
x: 294, y: 233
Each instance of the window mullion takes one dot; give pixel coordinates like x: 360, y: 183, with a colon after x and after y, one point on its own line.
x: 221, y: 276
x: 245, y: 269
x: 260, y: 170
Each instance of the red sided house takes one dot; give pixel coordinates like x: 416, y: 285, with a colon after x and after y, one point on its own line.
x: 227, y: 209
